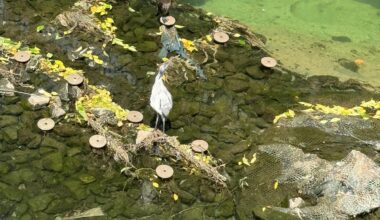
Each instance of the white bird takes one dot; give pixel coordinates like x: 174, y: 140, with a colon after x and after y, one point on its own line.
x: 161, y: 99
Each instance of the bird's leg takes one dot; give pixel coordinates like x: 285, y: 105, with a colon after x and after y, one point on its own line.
x: 163, y: 124
x: 155, y: 127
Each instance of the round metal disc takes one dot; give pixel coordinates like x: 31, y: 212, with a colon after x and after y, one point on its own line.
x: 135, y: 116
x: 74, y: 79
x: 167, y: 21
x: 199, y: 146
x: 98, y: 141
x: 268, y: 62
x: 45, y: 124
x: 22, y: 56
x: 164, y: 171
x: 221, y: 37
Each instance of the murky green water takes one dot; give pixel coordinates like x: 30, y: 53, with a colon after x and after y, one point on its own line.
x: 44, y: 175
x: 313, y: 37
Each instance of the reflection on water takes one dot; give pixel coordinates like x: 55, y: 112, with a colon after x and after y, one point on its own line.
x: 313, y: 37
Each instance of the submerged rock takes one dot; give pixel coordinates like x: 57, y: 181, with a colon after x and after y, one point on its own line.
x: 6, y: 120
x: 53, y: 162
x: 6, y: 87
x: 40, y: 202
x: 10, y: 134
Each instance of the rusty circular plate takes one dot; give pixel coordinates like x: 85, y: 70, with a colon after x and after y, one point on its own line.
x: 199, y: 146
x: 22, y: 56
x: 98, y: 141
x: 221, y: 37
x: 164, y: 171
x: 45, y: 124
x: 268, y: 62
x: 74, y: 79
x: 167, y: 20
x: 135, y: 116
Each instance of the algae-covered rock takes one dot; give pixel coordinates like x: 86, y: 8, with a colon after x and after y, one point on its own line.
x: 10, y: 134
x: 7, y: 120
x: 24, y: 156
x: 26, y: 217
x: 184, y: 107
x: 138, y: 210
x: 11, y: 110
x: 40, y: 202
x: 147, y: 46
x: 236, y: 85
x: 52, y: 143
x: 53, y: 162
x: 192, y: 214
x: 72, y: 165
x: 4, y: 168
x: 20, y: 209
x: 60, y: 206
x: 13, y: 194
x: 77, y: 188
x: 225, y: 210
x: 67, y: 130
x: 255, y: 72
x: 9, y: 100
x: 206, y: 193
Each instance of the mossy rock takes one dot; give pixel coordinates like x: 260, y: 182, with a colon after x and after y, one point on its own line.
x: 24, y: 156
x: 28, y: 138
x: 147, y: 46
x: 40, y: 202
x: 53, y: 162
x: 10, y: 134
x: 20, y: 209
x: 52, y: 143
x: 77, y: 188
x: 255, y: 72
x: 11, y: 110
x: 225, y: 210
x: 60, y: 206
x: 4, y: 168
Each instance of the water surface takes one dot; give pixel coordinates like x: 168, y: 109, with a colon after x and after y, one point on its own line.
x: 313, y: 37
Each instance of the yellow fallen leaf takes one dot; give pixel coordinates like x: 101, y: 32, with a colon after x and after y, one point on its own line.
x: 240, y: 163
x: 245, y: 161
x: 323, y: 122
x: 155, y: 185
x: 306, y: 104
x: 253, y: 160
x: 236, y: 35
x: 179, y: 26
x: 165, y: 59
x: 209, y: 38
x: 175, y: 197
x: 334, y: 120
x: 131, y: 9
x: 275, y: 186
x: 263, y: 209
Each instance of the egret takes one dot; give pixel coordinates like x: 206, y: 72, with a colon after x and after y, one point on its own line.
x: 161, y: 99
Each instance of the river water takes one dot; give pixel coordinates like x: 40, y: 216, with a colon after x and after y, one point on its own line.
x: 313, y: 37
x: 56, y: 174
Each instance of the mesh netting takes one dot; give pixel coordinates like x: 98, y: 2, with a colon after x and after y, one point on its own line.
x: 346, y: 188
x: 346, y: 126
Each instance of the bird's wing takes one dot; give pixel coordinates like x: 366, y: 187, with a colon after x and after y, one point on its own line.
x: 166, y: 103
